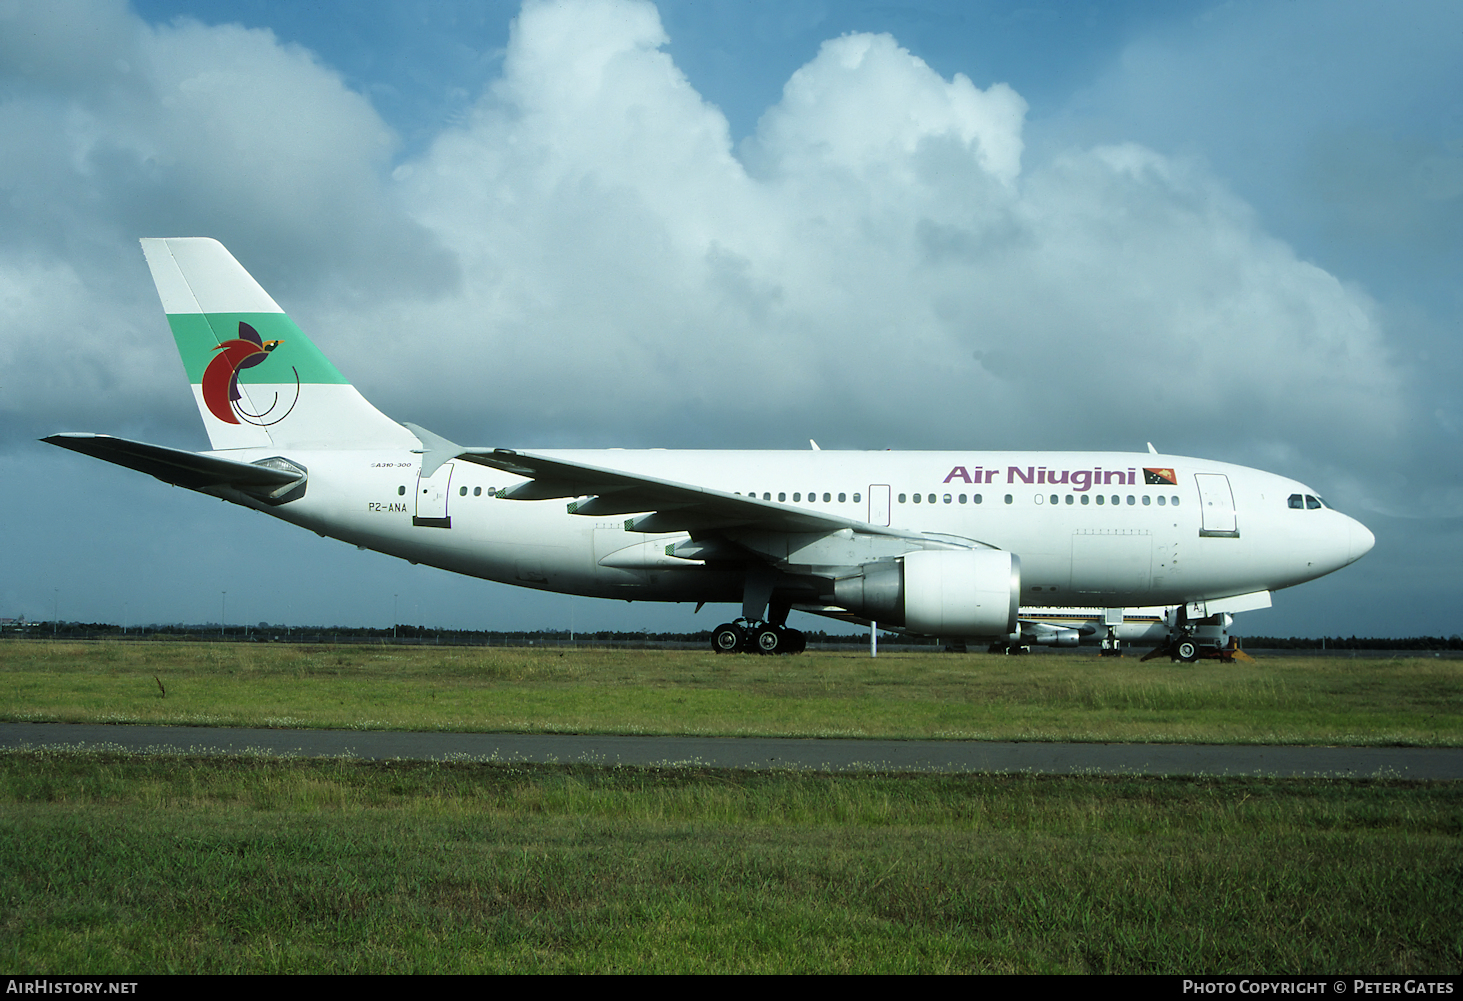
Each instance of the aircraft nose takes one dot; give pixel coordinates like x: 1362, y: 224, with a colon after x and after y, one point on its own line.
x: 1361, y: 541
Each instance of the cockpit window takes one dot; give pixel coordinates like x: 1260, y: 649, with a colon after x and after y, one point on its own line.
x: 1297, y: 502
x: 1312, y: 504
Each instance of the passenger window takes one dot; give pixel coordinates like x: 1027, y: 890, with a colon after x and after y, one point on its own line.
x: 1130, y: 500
x: 843, y: 498
x: 401, y: 491
x: 948, y: 498
x: 781, y: 497
x: 918, y: 498
x: 1116, y: 499
x: 1008, y: 498
x: 901, y: 498
x: 1099, y: 498
x: 1297, y: 502
x: 766, y: 495
x: 932, y: 498
x: 1146, y: 500
x: 1085, y: 499
x: 856, y: 498
x: 827, y: 498
x: 1056, y: 499
x: 1174, y: 501
x: 1160, y: 500
x: 962, y: 498
x: 797, y: 497
x: 976, y: 499
x: 1070, y: 501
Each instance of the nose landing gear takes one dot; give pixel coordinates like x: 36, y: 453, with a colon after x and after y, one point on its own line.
x: 1192, y: 640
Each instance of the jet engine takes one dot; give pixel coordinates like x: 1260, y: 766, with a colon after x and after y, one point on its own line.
x: 938, y: 592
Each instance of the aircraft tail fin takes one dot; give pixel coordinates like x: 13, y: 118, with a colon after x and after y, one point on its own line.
x: 258, y: 380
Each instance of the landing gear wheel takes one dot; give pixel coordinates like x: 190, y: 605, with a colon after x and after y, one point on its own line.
x: 726, y: 639
x: 1187, y: 651
x: 769, y: 640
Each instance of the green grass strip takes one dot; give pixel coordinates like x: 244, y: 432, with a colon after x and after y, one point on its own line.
x: 122, y: 863
x: 1304, y: 700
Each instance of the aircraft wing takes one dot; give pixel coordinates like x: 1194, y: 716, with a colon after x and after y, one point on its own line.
x: 184, y: 469
x: 675, y: 506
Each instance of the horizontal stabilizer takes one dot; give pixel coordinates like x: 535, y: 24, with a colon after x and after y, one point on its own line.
x: 186, y: 469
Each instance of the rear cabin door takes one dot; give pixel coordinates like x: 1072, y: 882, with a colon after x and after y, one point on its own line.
x: 432, y: 494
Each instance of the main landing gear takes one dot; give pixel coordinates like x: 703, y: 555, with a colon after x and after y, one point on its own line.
x: 742, y: 636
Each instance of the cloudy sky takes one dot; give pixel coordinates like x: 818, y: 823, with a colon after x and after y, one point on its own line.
x: 1232, y: 229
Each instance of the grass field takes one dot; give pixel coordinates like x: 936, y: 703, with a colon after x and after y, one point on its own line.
x: 137, y: 864
x: 120, y: 863
x: 1403, y: 701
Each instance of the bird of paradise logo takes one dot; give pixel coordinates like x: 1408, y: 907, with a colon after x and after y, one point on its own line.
x: 221, y: 379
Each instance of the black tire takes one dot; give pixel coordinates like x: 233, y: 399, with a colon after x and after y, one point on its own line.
x: 769, y: 640
x: 1188, y: 651
x: 727, y: 639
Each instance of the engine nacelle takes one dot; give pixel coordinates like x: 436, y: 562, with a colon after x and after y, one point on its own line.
x: 957, y: 593
x: 1051, y: 637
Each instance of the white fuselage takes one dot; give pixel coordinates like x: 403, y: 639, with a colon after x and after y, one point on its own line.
x: 1088, y: 527
x: 943, y: 543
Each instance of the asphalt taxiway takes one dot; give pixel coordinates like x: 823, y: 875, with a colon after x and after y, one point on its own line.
x: 837, y: 755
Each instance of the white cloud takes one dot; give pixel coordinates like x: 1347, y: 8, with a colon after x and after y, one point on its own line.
x: 588, y: 255
x: 891, y: 259
x: 865, y: 105
x: 883, y: 270
x: 124, y: 130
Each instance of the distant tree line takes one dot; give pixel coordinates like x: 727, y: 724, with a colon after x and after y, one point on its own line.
x: 264, y: 632
x: 1454, y: 642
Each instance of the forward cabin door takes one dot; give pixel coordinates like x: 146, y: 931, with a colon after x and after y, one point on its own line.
x: 1216, y: 503
x: 432, y: 494
x: 879, y: 504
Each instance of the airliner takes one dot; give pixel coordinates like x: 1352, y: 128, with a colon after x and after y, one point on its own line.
x: 967, y: 546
